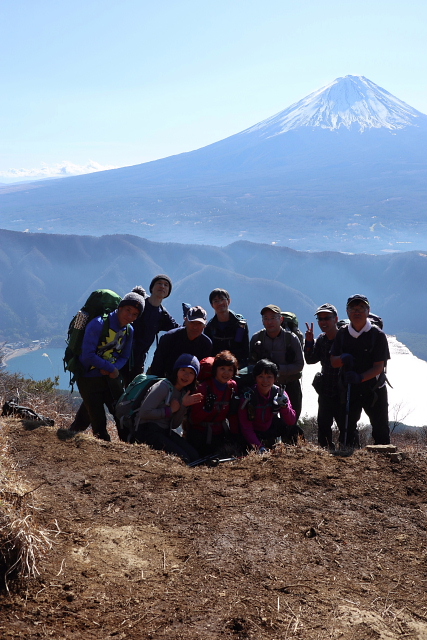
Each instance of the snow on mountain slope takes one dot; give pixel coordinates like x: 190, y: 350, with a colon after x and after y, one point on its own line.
x: 345, y: 102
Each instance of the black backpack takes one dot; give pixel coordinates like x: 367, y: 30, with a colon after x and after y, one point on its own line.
x: 372, y: 317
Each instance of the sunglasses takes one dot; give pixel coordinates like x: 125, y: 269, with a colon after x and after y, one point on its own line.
x: 360, y: 307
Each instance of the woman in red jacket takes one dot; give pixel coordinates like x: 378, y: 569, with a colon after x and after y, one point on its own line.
x: 210, y: 424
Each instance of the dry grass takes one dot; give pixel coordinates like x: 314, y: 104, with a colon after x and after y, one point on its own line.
x: 22, y: 541
x: 39, y: 395
x: 294, y: 544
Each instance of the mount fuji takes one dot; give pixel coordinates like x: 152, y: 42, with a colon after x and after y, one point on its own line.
x: 344, y: 169
x: 353, y: 101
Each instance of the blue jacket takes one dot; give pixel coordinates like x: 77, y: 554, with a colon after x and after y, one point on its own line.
x: 111, y: 359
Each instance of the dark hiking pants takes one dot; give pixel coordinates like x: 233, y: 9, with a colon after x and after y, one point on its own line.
x: 97, y: 392
x: 330, y: 408
x: 375, y: 405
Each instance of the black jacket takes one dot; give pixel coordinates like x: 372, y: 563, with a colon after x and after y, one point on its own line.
x: 234, y: 337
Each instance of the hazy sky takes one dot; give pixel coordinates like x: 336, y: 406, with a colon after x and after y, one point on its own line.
x: 100, y: 83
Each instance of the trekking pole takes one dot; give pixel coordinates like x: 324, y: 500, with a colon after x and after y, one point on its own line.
x: 212, y: 461
x: 347, y: 411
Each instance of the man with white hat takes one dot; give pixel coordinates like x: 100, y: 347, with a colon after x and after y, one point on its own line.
x: 361, y: 350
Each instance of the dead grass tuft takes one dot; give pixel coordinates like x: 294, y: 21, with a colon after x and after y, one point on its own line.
x: 22, y: 542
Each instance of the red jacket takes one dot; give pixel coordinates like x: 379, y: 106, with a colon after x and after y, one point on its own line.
x: 200, y: 419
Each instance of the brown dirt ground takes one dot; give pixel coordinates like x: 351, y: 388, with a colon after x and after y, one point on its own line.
x: 293, y: 544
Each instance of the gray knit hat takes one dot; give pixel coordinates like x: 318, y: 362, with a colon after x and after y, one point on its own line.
x: 142, y: 292
x: 133, y: 299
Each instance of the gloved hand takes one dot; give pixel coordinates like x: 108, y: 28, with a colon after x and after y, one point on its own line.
x: 258, y: 349
x: 347, y: 360
x: 281, y: 400
x: 351, y: 377
x: 262, y: 450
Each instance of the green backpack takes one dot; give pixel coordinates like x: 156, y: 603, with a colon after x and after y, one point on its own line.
x: 130, y: 401
x: 290, y: 321
x: 100, y: 303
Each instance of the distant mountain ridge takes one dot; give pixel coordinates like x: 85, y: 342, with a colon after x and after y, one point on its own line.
x: 343, y: 169
x: 45, y: 278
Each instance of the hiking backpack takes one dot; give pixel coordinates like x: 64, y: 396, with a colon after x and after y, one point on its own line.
x: 128, y: 404
x: 205, y: 369
x: 100, y: 303
x: 290, y: 321
x: 372, y: 317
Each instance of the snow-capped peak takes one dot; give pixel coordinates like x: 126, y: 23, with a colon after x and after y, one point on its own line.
x: 351, y: 101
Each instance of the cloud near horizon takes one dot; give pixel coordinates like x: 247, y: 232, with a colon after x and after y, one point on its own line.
x: 59, y: 170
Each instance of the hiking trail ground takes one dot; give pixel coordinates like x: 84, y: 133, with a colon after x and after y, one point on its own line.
x: 293, y: 544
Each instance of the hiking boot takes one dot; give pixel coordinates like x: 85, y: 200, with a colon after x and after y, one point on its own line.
x: 103, y: 435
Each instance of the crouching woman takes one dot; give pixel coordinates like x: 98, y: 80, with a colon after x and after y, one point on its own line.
x: 164, y: 407
x: 210, y: 424
x: 265, y: 412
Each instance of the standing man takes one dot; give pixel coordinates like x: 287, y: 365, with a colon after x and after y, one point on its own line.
x: 331, y: 406
x: 106, y: 349
x: 187, y: 339
x: 282, y: 347
x: 154, y: 319
x: 227, y: 330
x: 361, y: 349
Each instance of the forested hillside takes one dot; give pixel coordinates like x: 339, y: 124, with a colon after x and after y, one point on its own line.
x: 45, y: 278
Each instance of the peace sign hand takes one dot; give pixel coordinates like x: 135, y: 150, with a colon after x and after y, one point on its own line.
x: 309, y: 334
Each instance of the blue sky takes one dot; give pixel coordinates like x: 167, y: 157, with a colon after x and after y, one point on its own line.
x: 99, y: 84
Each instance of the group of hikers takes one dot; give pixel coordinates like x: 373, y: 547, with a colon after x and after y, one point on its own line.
x: 222, y: 387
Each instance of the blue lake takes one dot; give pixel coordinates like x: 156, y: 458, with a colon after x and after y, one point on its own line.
x: 38, y: 366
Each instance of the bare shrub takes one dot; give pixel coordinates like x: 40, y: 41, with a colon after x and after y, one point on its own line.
x: 309, y: 426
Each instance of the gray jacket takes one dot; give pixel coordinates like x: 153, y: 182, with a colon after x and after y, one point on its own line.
x: 156, y: 406
x: 285, y: 350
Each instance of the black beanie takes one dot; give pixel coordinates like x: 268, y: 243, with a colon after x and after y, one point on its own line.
x: 133, y: 299
x: 161, y: 277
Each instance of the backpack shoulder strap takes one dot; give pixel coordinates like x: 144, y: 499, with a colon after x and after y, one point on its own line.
x: 339, y: 338
x: 171, y: 387
x: 105, y: 328
x: 374, y: 336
